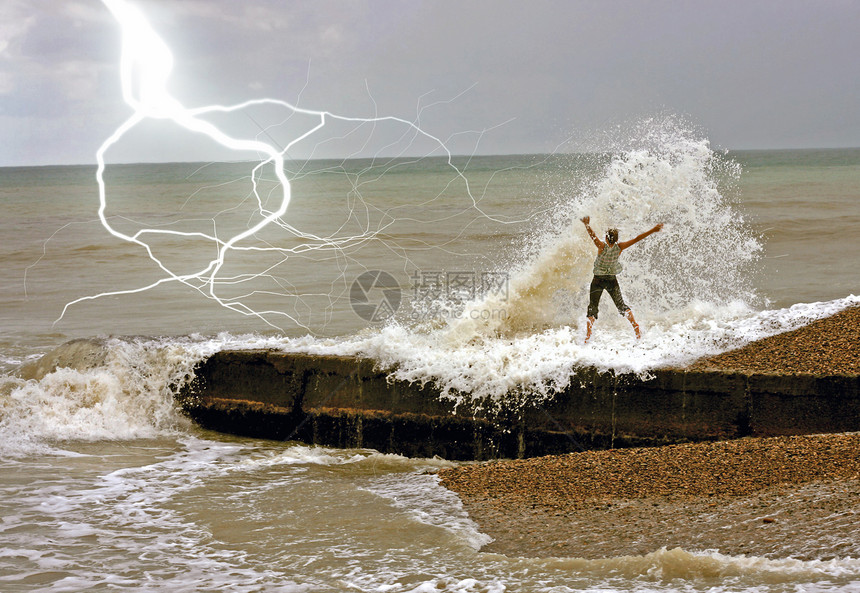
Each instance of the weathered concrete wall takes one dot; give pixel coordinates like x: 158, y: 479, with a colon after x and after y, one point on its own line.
x: 347, y: 402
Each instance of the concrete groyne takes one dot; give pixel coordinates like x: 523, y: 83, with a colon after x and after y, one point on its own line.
x: 348, y: 402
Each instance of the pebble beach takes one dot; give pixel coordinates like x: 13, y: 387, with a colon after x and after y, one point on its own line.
x: 772, y: 497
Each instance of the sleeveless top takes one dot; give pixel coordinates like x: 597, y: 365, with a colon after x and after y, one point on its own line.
x: 606, y: 262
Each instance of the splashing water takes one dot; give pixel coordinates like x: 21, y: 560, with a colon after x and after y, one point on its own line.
x: 97, y: 389
x: 689, y: 286
x: 693, y: 272
x: 703, y: 255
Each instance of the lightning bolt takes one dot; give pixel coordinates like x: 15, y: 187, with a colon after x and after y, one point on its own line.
x: 145, y: 66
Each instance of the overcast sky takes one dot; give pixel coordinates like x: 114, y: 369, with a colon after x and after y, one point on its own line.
x: 749, y: 73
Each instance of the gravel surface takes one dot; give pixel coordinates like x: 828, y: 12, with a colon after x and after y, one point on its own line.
x: 781, y: 496
x: 724, y: 468
x: 829, y: 346
x: 774, y: 497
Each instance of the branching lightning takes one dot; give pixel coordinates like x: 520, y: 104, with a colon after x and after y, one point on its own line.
x: 146, y: 65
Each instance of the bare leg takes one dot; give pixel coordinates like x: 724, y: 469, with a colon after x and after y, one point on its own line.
x: 629, y: 316
x: 588, y: 329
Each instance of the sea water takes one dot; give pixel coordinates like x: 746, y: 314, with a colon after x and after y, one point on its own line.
x: 106, y: 486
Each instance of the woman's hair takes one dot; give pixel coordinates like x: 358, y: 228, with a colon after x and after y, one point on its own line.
x: 612, y: 236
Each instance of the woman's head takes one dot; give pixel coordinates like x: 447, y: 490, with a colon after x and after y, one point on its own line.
x: 612, y: 236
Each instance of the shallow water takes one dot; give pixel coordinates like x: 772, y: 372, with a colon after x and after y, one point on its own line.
x: 205, y: 513
x: 105, y: 485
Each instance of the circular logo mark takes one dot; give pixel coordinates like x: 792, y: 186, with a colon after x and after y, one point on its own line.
x: 375, y: 296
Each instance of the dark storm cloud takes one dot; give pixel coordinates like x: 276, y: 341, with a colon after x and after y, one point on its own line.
x: 751, y: 74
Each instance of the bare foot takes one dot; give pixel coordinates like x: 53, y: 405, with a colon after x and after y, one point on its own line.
x: 635, y: 325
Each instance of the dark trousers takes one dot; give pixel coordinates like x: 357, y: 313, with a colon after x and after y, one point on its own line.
x: 610, y: 285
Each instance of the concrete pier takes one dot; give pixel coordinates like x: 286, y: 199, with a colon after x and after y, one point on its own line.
x: 348, y: 402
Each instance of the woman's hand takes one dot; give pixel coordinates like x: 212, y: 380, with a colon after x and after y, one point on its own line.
x: 586, y: 219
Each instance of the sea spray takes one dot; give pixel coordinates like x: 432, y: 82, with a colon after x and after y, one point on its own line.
x: 97, y: 389
x: 704, y: 254
x: 687, y: 284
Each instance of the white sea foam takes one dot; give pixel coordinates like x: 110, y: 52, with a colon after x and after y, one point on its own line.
x: 426, y: 501
x: 326, y: 456
x: 534, y: 366
x: 171, y: 552
x: 131, y: 393
x: 688, y: 285
x: 671, y: 564
x: 127, y: 393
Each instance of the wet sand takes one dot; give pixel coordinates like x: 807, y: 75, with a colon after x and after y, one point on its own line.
x: 795, y: 496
